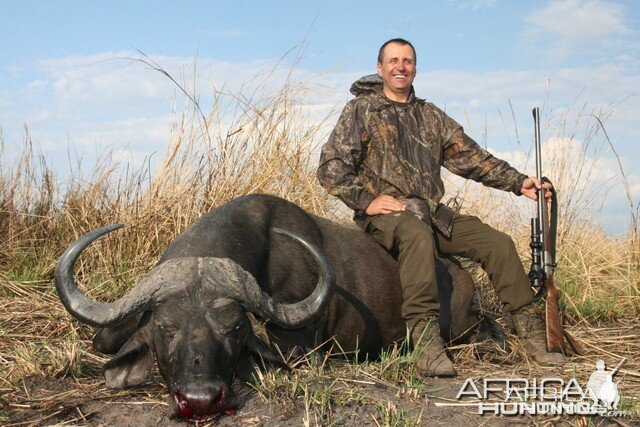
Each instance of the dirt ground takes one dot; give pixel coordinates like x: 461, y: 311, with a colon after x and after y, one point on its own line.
x: 54, y: 402
x: 76, y: 395
x: 85, y: 401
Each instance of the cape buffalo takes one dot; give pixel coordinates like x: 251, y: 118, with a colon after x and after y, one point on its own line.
x: 315, y: 281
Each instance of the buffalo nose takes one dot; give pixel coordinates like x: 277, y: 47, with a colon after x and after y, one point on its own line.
x: 202, y: 402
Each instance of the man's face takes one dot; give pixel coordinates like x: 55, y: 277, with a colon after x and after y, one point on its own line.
x: 397, y: 69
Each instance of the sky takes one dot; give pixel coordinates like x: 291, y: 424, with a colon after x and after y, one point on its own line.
x: 487, y: 62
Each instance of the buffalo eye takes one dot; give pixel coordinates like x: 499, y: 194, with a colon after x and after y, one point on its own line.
x: 236, y: 328
x: 169, y: 330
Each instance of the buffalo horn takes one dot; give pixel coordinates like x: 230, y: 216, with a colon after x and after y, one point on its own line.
x: 162, y: 280
x: 242, y: 286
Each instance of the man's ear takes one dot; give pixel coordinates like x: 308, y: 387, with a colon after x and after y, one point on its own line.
x: 379, y: 69
x: 132, y: 365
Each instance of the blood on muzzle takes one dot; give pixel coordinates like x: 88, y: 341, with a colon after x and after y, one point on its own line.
x: 202, y: 404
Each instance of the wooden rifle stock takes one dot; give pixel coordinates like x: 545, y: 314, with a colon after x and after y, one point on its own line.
x: 553, y: 322
x: 555, y: 339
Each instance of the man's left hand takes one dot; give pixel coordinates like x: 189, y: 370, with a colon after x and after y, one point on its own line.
x: 531, y: 185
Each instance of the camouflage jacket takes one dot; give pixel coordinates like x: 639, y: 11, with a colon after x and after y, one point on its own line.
x: 381, y: 147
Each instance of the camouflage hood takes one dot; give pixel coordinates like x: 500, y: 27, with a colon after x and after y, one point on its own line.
x: 367, y: 84
x: 372, y: 84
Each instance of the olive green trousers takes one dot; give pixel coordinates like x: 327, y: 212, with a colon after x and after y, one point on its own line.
x: 416, y: 244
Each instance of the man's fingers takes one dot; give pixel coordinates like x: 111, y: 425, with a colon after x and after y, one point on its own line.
x: 536, y: 183
x: 383, y: 205
x: 388, y: 202
x: 532, y: 183
x: 393, y: 206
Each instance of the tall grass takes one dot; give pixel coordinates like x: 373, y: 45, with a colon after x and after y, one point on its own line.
x: 599, y: 274
x: 267, y: 147
x: 260, y: 141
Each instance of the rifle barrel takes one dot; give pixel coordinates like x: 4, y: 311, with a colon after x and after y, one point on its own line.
x: 542, y: 206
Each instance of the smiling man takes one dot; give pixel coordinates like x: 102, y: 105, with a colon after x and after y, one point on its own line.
x: 383, y: 160
x: 397, y: 68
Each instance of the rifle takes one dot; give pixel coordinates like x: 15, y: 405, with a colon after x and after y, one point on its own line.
x: 543, y: 257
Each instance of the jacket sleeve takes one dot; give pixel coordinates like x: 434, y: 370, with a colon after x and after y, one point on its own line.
x: 340, y: 160
x: 464, y: 157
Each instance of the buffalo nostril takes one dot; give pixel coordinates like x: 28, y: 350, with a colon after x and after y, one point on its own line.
x: 183, y: 407
x: 198, y: 361
x: 196, y: 403
x: 221, y: 401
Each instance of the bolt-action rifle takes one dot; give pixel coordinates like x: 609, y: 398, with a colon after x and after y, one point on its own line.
x: 543, y: 254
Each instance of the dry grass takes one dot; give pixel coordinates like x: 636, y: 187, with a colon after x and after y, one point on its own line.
x: 268, y: 146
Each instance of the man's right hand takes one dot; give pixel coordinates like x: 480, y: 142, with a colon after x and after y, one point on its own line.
x: 383, y: 205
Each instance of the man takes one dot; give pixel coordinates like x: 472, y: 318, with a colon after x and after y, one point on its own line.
x: 383, y: 160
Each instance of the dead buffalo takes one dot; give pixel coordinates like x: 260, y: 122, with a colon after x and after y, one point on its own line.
x: 314, y: 281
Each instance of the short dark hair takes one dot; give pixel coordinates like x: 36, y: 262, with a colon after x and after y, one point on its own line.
x: 399, y: 41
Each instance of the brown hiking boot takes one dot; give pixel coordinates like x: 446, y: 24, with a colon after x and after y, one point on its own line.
x: 530, y: 327
x: 432, y: 359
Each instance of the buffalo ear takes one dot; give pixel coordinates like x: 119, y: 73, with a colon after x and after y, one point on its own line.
x: 109, y: 340
x: 132, y: 365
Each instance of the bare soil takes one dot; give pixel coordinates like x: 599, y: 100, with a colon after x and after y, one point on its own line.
x: 76, y: 394
x: 85, y: 401
x: 64, y: 401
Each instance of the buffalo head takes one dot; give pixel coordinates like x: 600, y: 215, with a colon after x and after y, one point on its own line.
x: 191, y: 314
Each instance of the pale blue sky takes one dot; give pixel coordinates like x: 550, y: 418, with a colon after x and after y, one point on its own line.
x: 482, y: 35
x: 474, y: 56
